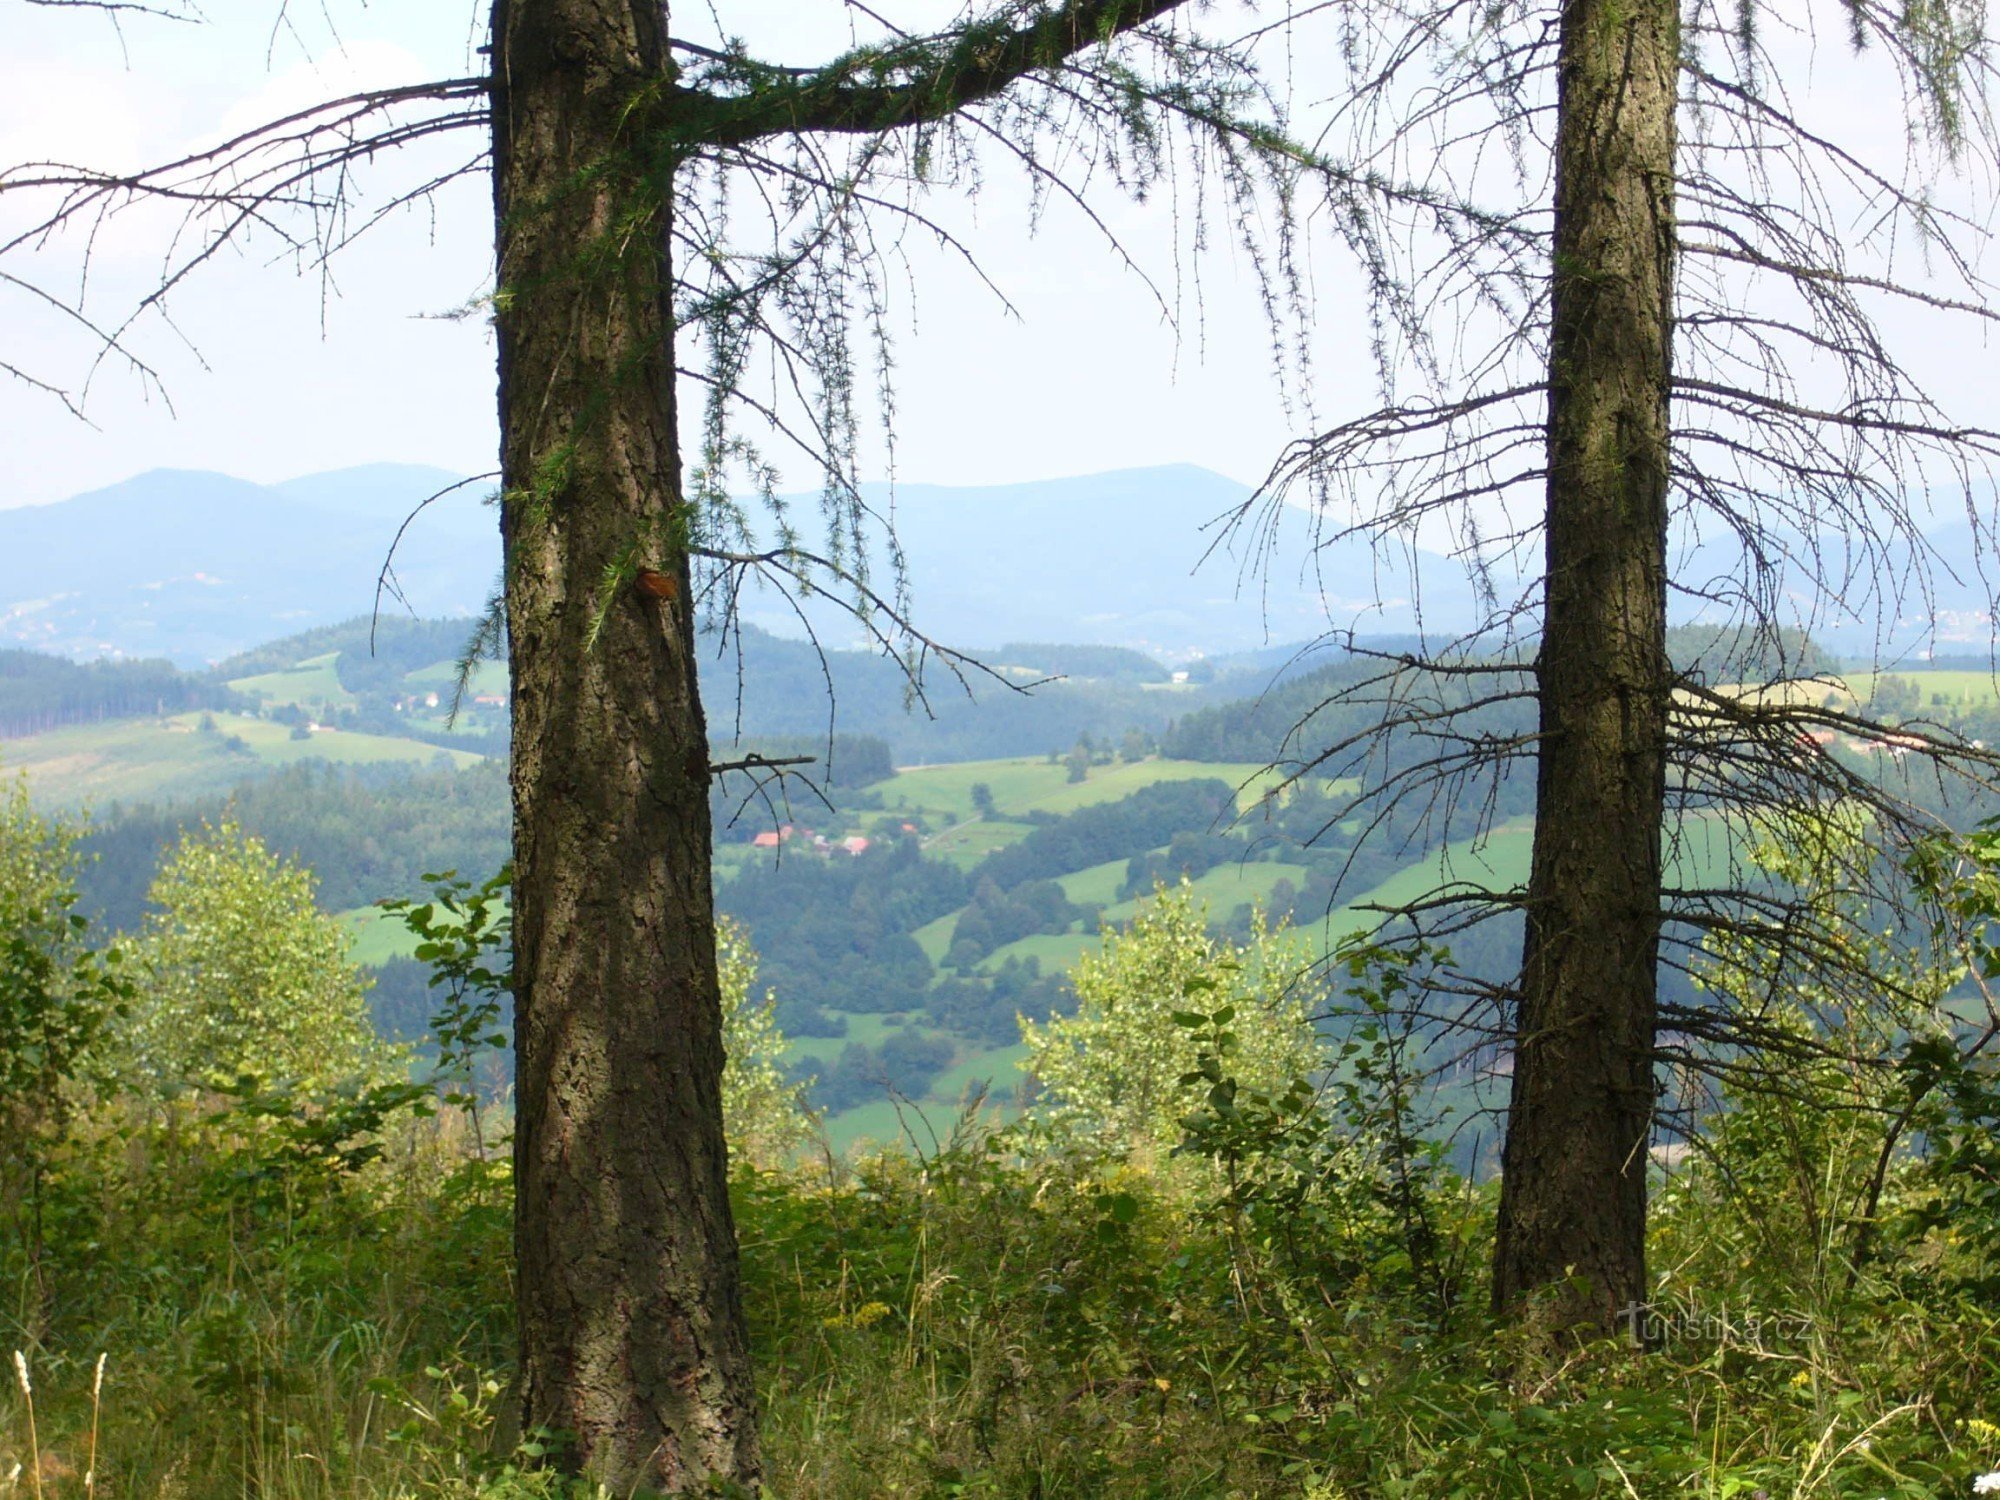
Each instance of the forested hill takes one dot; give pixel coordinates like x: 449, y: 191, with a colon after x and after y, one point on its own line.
x: 40, y: 692
x: 1260, y: 727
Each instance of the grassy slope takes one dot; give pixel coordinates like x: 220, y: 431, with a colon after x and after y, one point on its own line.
x: 1018, y: 787
x: 966, y: 844
x: 312, y: 681
x: 376, y: 936
x: 1024, y: 786
x: 441, y: 677
x: 1097, y: 885
x: 1960, y: 688
x: 147, y: 759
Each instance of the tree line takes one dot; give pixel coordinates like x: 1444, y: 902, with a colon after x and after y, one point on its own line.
x: 39, y: 692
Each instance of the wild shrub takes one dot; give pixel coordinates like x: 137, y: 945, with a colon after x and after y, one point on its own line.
x: 241, y: 974
x: 1119, y: 1068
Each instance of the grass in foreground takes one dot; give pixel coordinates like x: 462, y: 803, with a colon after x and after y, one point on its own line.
x: 1014, y: 1315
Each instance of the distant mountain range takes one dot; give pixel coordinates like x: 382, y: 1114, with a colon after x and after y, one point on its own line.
x: 194, y: 566
x: 1137, y: 557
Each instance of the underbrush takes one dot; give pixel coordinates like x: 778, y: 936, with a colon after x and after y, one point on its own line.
x: 1019, y: 1314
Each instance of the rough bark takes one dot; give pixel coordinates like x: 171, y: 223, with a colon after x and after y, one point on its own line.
x: 631, y: 1326
x: 1573, y: 1192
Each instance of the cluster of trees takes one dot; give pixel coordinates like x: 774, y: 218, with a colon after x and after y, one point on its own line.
x: 1895, y: 697
x: 988, y: 1009
x: 1124, y: 1066
x: 1736, y: 653
x: 367, y: 832
x: 994, y: 918
x: 771, y: 780
x: 234, y: 971
x: 40, y: 692
x: 835, y: 934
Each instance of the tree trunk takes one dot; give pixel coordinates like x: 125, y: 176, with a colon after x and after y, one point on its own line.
x: 631, y: 1324
x: 1573, y: 1191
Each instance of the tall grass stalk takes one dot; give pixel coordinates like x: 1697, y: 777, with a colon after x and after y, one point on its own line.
x: 34, y: 1438
x: 96, y: 1410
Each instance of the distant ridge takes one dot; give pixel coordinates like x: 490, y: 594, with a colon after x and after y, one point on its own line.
x: 1135, y: 557
x: 195, y: 566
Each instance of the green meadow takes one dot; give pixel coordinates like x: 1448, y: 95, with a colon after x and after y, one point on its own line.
x: 311, y: 682
x: 131, y: 760
x: 1025, y: 786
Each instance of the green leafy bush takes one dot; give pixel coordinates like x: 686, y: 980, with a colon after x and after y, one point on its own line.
x: 242, y: 974
x: 1119, y: 1068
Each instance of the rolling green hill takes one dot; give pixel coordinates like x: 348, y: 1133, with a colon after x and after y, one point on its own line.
x: 981, y: 884
x: 313, y: 681
x: 176, y: 757
x: 1023, y: 787
x: 1024, y: 797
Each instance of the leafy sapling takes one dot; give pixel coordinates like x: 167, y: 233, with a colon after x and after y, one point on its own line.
x: 465, y: 934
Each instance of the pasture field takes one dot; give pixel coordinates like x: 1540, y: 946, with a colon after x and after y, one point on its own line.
x: 127, y: 760
x: 927, y: 1122
x: 861, y: 1027
x: 273, y: 743
x: 1701, y: 855
x: 442, y: 676
x: 883, y: 1124
x: 1055, y: 951
x: 1000, y: 1069
x: 1499, y: 862
x: 376, y: 936
x: 935, y: 937
x: 1024, y: 786
x: 131, y: 760
x: 966, y: 844
x: 312, y: 682
x: 1097, y: 885
x: 1958, y: 688
x: 1225, y: 887
x: 1941, y: 691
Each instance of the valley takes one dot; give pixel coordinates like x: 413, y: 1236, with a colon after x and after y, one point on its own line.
x: 905, y: 914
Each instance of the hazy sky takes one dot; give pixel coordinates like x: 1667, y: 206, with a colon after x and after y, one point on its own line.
x: 275, y: 380
x: 274, y: 372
